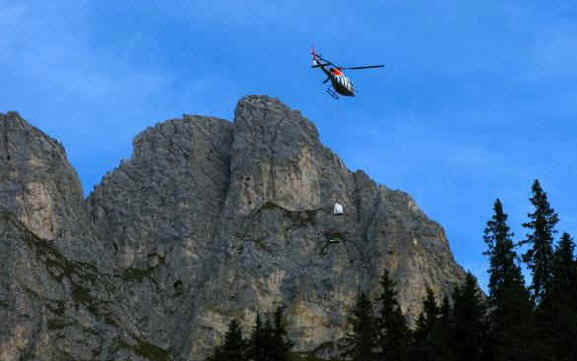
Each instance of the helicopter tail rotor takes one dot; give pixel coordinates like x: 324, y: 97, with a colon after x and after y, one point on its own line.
x: 315, y: 62
x: 319, y: 61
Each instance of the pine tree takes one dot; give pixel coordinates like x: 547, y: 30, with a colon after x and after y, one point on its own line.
x: 269, y: 347
x: 431, y: 312
x: 359, y: 343
x: 469, y: 326
x: 509, y: 300
x: 557, y: 314
x: 234, y: 347
x: 564, y: 274
x: 442, y: 333
x: 392, y: 329
x: 430, y: 336
x: 259, y: 341
x: 539, y: 257
x: 501, y: 252
x: 281, y: 344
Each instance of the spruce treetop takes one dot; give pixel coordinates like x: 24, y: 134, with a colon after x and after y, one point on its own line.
x: 539, y: 257
x: 501, y: 252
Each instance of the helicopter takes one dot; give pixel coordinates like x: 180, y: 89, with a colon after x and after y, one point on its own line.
x: 340, y: 82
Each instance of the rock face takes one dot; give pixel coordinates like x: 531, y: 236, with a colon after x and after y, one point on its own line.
x: 207, y: 221
x: 37, y: 184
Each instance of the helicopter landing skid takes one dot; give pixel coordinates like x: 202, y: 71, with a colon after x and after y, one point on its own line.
x: 332, y: 93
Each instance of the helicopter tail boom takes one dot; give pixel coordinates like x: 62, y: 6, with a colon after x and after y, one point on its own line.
x: 318, y: 61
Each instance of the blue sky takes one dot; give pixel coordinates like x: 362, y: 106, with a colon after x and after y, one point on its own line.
x: 475, y: 102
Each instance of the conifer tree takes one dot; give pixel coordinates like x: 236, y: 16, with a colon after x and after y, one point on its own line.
x: 539, y: 257
x: 269, y: 347
x: 259, y: 341
x: 281, y: 344
x: 431, y: 312
x: 557, y: 314
x: 442, y: 333
x: 234, y: 347
x: 446, y: 311
x: 509, y: 300
x: 564, y: 274
x: 392, y: 329
x: 431, y: 336
x: 469, y: 326
x: 359, y: 343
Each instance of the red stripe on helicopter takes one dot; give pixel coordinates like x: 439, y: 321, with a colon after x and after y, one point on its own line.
x: 337, y: 72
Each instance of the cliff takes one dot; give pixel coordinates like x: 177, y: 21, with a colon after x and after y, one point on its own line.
x: 207, y: 221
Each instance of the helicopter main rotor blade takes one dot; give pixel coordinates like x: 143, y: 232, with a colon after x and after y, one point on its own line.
x: 362, y: 67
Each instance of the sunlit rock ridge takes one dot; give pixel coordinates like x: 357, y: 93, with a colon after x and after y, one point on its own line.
x: 207, y: 221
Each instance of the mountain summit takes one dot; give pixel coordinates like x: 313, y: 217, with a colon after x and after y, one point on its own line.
x: 207, y: 221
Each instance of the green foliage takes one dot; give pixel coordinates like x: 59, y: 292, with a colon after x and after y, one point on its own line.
x: 359, y: 343
x: 556, y: 316
x: 57, y: 324
x: 469, y: 323
x: 391, y: 325
x: 268, y: 342
x: 431, y: 336
x: 234, y: 347
x: 428, y: 317
x: 539, y: 257
x: 281, y: 344
x: 510, y: 302
x: 147, y: 350
x: 307, y: 356
x: 564, y: 273
x: 511, y: 324
x: 503, y: 270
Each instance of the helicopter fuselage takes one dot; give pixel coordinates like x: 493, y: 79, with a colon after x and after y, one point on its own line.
x: 340, y: 82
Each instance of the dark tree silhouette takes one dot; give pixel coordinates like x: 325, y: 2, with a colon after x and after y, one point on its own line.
x: 469, y: 326
x: 556, y: 316
x: 510, y: 303
x: 564, y: 275
x: 281, y: 344
x: 259, y: 343
x: 234, y: 347
x: 359, y: 343
x: 426, y: 336
x: 392, y: 329
x: 539, y: 257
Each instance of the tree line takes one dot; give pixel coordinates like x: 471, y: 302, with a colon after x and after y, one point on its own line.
x: 513, y: 322
x: 268, y: 341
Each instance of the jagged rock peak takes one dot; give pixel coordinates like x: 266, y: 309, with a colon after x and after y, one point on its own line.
x: 172, y: 188
x: 261, y: 110
x: 26, y: 138
x: 12, y: 119
x: 172, y: 134
x: 207, y: 221
x: 277, y: 157
x: 37, y: 183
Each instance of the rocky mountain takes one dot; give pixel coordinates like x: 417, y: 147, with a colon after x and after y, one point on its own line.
x: 208, y: 220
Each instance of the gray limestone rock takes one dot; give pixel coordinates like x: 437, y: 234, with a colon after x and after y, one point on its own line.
x: 37, y: 183
x: 208, y: 220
